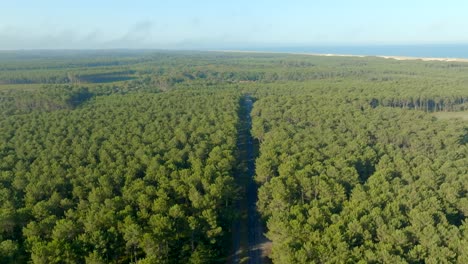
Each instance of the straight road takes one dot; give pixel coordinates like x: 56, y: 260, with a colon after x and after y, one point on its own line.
x: 248, y: 239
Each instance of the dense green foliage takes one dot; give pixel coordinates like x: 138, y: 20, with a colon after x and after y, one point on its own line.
x: 129, y: 156
x: 142, y: 176
x: 48, y: 99
x: 342, y: 180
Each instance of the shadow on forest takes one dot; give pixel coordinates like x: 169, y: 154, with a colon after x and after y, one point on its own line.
x: 105, y: 78
x: 365, y: 169
x: 464, y: 138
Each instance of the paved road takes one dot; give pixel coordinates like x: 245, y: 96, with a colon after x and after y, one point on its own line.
x: 247, y: 249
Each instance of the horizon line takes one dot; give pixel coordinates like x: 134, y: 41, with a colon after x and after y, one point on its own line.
x: 244, y: 46
x: 269, y: 51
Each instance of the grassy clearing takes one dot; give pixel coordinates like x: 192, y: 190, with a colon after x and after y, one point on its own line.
x: 35, y: 86
x: 452, y: 115
x: 24, y: 87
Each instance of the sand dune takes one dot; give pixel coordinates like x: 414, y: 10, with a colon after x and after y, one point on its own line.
x: 389, y: 57
x: 353, y: 55
x: 424, y: 59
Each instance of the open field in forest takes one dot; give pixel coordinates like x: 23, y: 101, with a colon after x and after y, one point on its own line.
x: 22, y: 87
x: 452, y: 115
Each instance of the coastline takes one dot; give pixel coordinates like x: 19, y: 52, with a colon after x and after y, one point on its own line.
x: 398, y: 58
x: 424, y: 58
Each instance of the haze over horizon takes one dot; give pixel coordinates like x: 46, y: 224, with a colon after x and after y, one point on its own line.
x: 184, y: 24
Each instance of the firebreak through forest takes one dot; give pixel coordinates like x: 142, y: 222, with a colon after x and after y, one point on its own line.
x: 131, y: 157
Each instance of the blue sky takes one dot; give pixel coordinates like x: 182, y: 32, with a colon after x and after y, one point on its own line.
x: 178, y: 24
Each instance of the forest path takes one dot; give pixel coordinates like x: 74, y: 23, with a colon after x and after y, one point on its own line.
x: 248, y: 240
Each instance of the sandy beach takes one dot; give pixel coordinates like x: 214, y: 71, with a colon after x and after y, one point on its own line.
x: 424, y: 59
x: 401, y: 58
x: 387, y: 57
